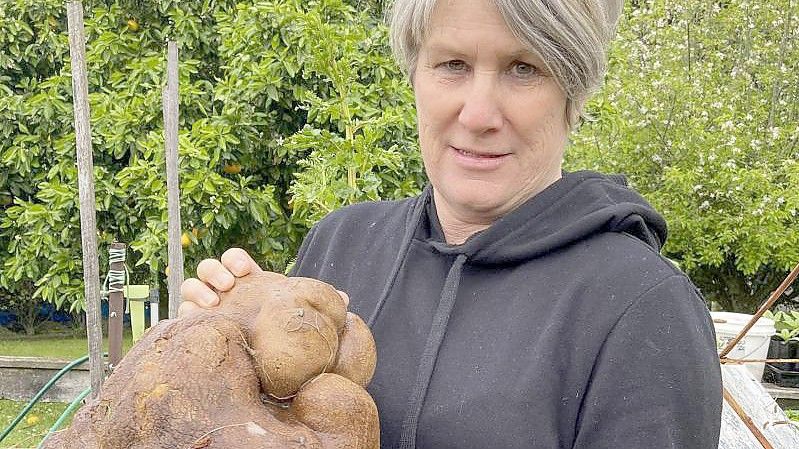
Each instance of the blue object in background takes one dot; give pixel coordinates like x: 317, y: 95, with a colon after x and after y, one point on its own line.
x: 46, y: 311
x: 59, y: 316
x: 7, y: 318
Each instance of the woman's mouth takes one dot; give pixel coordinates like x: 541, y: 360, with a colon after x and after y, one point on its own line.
x: 478, y: 160
x: 478, y: 155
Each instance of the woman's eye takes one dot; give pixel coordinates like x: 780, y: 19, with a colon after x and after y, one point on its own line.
x: 455, y: 66
x: 523, y: 70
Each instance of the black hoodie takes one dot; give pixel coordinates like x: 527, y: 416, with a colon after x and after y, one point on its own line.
x: 560, y: 326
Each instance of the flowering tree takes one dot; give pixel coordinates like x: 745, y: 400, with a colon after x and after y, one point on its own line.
x: 292, y: 108
x: 701, y: 109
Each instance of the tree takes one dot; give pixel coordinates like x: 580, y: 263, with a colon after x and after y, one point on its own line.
x: 275, y: 96
x: 290, y: 109
x: 701, y: 108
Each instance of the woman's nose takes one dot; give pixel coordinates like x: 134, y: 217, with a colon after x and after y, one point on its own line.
x: 481, y: 111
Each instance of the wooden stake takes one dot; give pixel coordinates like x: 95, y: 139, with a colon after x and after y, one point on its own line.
x: 746, y: 419
x: 116, y: 304
x: 775, y: 295
x: 171, y: 115
x: 88, y: 226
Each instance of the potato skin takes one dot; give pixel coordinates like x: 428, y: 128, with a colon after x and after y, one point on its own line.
x: 199, y: 381
x: 347, y: 417
x: 357, y: 352
x: 296, y: 335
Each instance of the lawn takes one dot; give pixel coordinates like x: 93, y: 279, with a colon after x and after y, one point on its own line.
x: 62, y: 347
x: 31, y: 430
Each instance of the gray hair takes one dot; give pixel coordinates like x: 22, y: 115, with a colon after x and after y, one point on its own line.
x: 571, y: 37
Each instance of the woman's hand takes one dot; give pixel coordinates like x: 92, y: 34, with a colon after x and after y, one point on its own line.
x: 214, y: 276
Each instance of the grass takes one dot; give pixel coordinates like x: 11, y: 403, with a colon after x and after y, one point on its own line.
x: 58, y: 347
x: 34, y: 427
x: 30, y: 431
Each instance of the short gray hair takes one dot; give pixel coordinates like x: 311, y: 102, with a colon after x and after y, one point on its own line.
x: 571, y: 37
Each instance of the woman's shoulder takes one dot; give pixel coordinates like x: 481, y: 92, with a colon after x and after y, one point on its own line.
x: 355, y: 241
x: 369, y: 216
x: 618, y: 261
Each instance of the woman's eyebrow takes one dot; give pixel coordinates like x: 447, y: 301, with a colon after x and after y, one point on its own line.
x: 443, y: 48
x: 523, y: 53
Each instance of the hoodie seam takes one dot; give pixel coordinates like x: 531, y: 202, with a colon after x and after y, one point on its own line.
x: 639, y: 242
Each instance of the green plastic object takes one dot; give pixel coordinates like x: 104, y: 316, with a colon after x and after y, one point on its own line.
x: 136, y: 295
x: 136, y: 319
x: 66, y: 414
x: 136, y: 291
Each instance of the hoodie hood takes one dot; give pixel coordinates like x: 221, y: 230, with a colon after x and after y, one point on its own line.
x: 579, y: 205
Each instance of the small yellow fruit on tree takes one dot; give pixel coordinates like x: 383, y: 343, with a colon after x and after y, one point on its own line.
x: 185, y: 240
x: 232, y: 169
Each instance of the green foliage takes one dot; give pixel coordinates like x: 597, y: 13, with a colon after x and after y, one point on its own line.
x: 290, y: 109
x: 701, y: 109
x: 275, y: 96
x: 786, y: 323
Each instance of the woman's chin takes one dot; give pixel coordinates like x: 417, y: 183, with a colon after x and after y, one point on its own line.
x: 478, y: 202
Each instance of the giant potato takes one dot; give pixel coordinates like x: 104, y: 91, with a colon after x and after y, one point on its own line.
x: 279, y: 364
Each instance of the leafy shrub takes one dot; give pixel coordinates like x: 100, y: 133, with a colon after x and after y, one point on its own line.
x: 276, y: 96
x: 786, y: 323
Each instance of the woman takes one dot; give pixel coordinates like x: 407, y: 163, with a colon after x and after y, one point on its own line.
x: 513, y: 305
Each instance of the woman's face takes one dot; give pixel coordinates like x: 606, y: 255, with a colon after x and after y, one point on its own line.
x: 492, y: 123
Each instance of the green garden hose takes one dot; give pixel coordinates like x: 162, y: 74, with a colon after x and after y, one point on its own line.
x: 41, y: 393
x: 71, y: 408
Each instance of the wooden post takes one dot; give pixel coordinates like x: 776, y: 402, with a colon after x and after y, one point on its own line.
x: 116, y: 302
x: 88, y: 226
x: 154, y: 296
x: 171, y: 115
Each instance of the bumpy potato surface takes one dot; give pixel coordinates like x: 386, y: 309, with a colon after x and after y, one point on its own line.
x: 279, y: 364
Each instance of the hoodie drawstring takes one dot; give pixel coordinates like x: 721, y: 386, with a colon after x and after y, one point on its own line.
x: 430, y: 354
x: 410, y: 230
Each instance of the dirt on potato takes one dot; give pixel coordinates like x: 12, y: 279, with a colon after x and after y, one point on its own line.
x: 279, y: 364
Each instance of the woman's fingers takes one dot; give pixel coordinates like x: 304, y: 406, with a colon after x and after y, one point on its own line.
x: 187, y: 308
x: 214, y: 276
x: 199, y: 293
x: 239, y: 263
x: 213, y: 273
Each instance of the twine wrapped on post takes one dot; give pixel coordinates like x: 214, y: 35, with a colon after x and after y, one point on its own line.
x: 116, y: 284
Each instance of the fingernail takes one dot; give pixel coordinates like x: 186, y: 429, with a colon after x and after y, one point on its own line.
x: 210, y: 299
x: 239, y: 266
x: 223, y: 280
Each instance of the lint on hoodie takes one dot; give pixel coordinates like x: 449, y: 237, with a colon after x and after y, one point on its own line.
x: 560, y: 326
